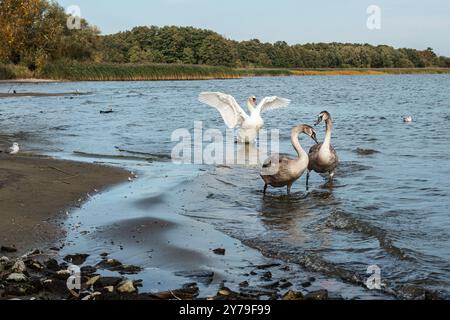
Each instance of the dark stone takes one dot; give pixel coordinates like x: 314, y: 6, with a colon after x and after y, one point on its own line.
x: 110, y: 264
x: 76, y: 259
x: 244, y: 284
x: 219, y: 251
x: 61, y: 276
x: 366, y: 152
x: 317, y: 295
x: 267, y: 276
x: 117, y: 266
x: 204, y: 277
x: 56, y: 286
x: 267, y: 266
x: 8, y: 249
x: 52, y: 265
x: 272, y: 285
x: 107, y: 282
x: 286, y: 285
x: 306, y: 284
x: 128, y: 269
x: 88, y: 270
x: 190, y: 285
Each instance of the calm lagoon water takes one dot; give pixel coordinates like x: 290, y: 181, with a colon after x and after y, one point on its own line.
x: 389, y: 206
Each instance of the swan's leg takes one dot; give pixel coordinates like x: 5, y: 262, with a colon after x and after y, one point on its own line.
x: 331, y: 180
x: 289, y: 189
x: 332, y: 174
x: 307, y: 180
x: 265, y: 189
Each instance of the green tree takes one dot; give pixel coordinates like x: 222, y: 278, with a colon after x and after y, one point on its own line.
x: 188, y: 56
x: 215, y: 50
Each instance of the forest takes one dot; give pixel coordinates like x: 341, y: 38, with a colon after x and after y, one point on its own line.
x: 34, y: 35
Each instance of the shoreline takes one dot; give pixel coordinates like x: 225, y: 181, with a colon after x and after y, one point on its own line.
x: 119, y: 73
x: 30, y: 80
x: 37, y: 191
x: 189, y: 259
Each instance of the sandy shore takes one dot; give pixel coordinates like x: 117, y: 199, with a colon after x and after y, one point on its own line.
x: 29, y: 81
x: 36, y: 191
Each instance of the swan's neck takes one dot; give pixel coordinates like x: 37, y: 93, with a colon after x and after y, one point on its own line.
x: 327, y: 141
x: 296, y: 142
x: 251, y: 107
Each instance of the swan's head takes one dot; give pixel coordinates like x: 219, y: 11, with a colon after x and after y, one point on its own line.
x: 323, y: 116
x: 252, y: 101
x: 309, y: 131
x: 15, y: 144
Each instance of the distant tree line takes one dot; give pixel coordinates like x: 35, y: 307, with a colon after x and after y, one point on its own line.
x: 34, y: 32
x: 197, y: 46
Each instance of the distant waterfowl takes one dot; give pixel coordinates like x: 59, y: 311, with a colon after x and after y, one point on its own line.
x: 323, y: 158
x: 281, y: 170
x: 14, y: 149
x: 235, y: 117
x: 106, y: 111
x: 408, y: 119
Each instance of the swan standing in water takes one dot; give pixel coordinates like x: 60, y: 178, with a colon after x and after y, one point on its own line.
x: 323, y: 158
x: 282, y: 170
x: 235, y: 117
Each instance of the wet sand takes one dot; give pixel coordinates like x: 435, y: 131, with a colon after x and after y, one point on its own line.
x: 35, y: 192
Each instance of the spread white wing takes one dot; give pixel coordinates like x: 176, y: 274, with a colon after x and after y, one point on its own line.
x: 231, y: 112
x: 272, y: 103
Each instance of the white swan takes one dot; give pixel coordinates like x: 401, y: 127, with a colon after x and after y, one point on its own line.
x: 14, y: 149
x: 281, y: 170
x: 408, y: 119
x: 235, y: 117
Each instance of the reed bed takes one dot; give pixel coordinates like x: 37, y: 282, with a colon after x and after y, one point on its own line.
x: 132, y: 72
x: 356, y: 72
x: 142, y: 72
x: 10, y: 72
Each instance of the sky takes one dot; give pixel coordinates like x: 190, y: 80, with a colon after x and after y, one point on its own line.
x: 404, y: 23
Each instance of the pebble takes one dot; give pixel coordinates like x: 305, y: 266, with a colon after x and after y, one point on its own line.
x: 126, y: 286
x: 17, y: 277
x: 19, y: 267
x: 317, y: 295
x: 293, y: 295
x: 4, y: 260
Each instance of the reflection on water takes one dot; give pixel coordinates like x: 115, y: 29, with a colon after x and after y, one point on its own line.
x: 387, y: 207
